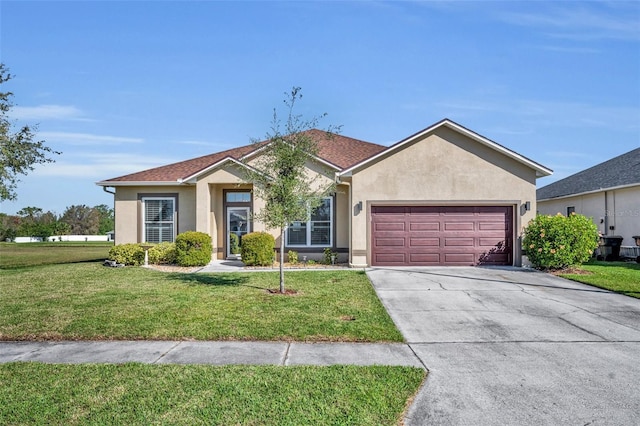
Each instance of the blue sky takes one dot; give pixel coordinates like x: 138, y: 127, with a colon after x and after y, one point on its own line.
x: 119, y: 87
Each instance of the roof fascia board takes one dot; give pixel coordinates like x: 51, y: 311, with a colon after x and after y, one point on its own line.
x: 227, y: 159
x: 540, y: 170
x: 594, y: 191
x: 313, y: 157
x: 193, y: 178
x: 139, y: 183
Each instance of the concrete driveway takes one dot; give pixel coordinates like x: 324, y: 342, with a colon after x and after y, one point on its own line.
x: 510, y: 346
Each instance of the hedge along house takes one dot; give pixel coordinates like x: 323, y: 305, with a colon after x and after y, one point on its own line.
x: 443, y: 196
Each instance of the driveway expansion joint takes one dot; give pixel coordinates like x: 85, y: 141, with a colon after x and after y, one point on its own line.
x: 167, y: 352
x: 418, y: 357
x: 285, y: 358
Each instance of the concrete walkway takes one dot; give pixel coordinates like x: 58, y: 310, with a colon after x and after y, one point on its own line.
x: 213, y: 353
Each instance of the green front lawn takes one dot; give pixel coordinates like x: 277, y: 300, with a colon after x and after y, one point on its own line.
x: 17, y: 255
x: 90, y: 301
x: 138, y: 394
x: 621, y: 277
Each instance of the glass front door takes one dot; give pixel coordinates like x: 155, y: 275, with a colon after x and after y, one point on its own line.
x: 238, y: 225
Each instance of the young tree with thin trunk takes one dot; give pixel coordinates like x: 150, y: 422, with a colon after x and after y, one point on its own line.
x: 279, y: 174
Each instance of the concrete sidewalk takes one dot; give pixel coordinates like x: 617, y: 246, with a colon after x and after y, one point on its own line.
x: 213, y: 353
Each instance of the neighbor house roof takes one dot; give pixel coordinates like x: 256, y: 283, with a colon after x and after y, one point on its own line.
x: 620, y: 171
x: 339, y: 151
x: 540, y: 169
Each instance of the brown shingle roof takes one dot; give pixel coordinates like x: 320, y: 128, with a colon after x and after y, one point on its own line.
x: 174, y: 172
x: 338, y: 150
x: 343, y: 151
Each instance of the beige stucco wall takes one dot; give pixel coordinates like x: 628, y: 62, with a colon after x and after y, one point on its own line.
x: 201, y: 206
x: 342, y: 216
x: 128, y: 212
x: 209, y: 210
x: 621, y: 211
x: 210, y: 214
x: 442, y: 168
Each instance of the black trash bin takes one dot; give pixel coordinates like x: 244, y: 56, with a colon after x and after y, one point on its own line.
x: 610, y: 247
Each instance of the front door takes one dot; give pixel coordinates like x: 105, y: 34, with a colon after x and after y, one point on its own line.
x: 238, y: 224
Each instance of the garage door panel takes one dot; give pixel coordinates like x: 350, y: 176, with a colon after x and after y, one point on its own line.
x: 390, y: 210
x: 459, y: 242
x: 497, y: 242
x: 422, y: 242
x: 390, y: 242
x: 425, y: 258
x: 390, y: 226
x: 492, y: 226
x: 495, y: 258
x: 390, y: 259
x: 459, y: 226
x: 442, y: 235
x: 460, y: 258
x: 424, y: 226
x: 455, y: 210
x: 424, y: 211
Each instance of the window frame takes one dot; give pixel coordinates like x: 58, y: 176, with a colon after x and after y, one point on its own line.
x: 308, y: 229
x: 174, y: 222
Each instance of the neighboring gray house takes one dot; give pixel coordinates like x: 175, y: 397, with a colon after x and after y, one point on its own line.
x: 608, y: 192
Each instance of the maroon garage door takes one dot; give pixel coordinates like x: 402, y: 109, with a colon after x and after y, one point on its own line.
x: 441, y: 235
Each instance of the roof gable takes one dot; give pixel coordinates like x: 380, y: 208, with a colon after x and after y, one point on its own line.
x: 334, y: 150
x: 623, y: 170
x: 540, y: 169
x: 177, y: 172
x: 343, y: 153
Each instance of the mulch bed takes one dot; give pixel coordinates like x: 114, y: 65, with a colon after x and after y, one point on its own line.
x: 570, y: 270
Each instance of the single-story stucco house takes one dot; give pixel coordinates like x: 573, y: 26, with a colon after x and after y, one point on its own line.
x: 442, y: 196
x: 608, y: 192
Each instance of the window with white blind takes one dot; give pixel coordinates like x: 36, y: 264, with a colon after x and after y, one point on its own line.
x: 159, y: 219
x: 318, y: 231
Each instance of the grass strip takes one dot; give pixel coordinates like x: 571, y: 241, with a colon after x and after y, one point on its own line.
x: 142, y: 394
x: 19, y: 255
x: 621, y: 277
x: 87, y: 301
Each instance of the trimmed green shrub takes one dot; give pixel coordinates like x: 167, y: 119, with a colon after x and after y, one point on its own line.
x: 257, y: 249
x: 555, y: 242
x: 293, y: 257
x: 127, y: 254
x: 162, y: 253
x: 327, y: 255
x: 234, y: 243
x: 193, y: 249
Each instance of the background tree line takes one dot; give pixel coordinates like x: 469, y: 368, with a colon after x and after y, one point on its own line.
x: 76, y: 220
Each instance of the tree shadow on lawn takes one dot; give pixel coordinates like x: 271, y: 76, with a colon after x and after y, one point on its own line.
x: 212, y: 279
